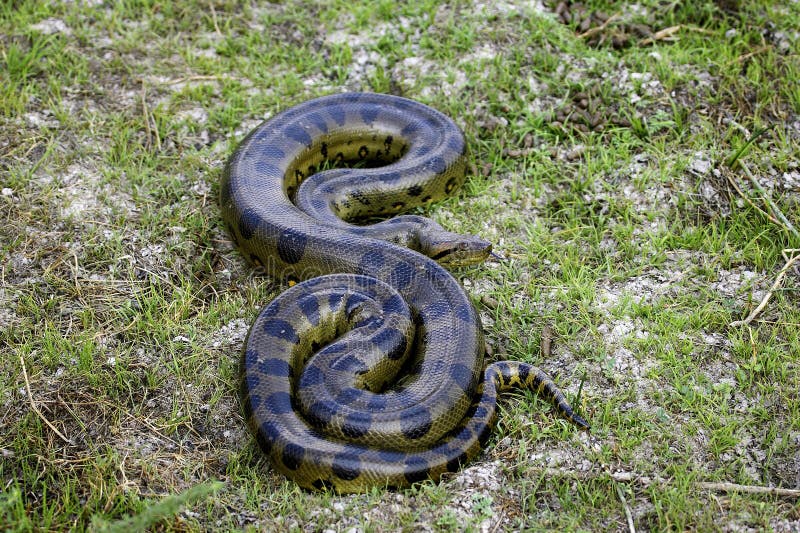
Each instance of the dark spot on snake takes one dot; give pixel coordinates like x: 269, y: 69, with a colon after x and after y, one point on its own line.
x: 369, y: 114
x: 265, y: 168
x: 486, y: 432
x: 317, y: 120
x: 451, y: 184
x: 359, y: 196
x: 320, y: 413
x: 371, y: 262
x: 250, y: 357
x: 461, y: 434
x: 417, y: 424
x: 310, y: 307
x: 501, y: 368
x: 389, y: 456
x: 349, y: 363
x: 415, y: 190
x: 248, y: 223
x: 292, y: 456
x: 346, y: 465
x: 453, y: 465
x: 253, y: 401
x: 291, y: 245
x: 323, y: 149
x: 422, y: 150
x: 437, y: 165
x: 321, y: 484
x: 409, y: 129
x: 390, y: 177
x: 427, y: 199
x: 267, y: 434
x: 311, y: 377
x: 464, y: 313
x: 457, y: 144
x: 275, y: 327
x: 480, y: 412
x: 272, y: 152
x: 298, y: 134
x: 363, y: 152
x: 349, y: 396
x: 312, y: 169
x: 356, y: 425
x: 276, y: 367
x: 395, y: 304
x: 334, y: 300
x: 377, y: 402
x: 337, y: 113
x: 463, y: 377
x: 387, y: 143
x: 402, y: 275
x: 298, y: 175
x: 278, y: 403
x: 270, y: 310
x: 392, y: 342
x: 290, y: 191
x: 416, y: 469
x: 398, y: 206
x: 523, y: 371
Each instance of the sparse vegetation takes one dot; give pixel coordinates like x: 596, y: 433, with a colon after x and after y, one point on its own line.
x: 636, y: 165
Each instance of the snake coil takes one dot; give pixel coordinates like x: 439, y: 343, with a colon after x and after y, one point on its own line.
x: 370, y: 372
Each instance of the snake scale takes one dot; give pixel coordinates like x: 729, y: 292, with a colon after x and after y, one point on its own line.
x: 370, y: 372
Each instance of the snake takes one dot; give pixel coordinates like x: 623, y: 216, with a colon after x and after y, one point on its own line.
x: 368, y: 371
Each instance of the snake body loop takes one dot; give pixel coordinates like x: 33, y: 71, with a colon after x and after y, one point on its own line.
x: 371, y: 371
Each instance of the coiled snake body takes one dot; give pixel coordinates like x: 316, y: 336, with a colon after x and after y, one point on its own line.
x: 319, y: 367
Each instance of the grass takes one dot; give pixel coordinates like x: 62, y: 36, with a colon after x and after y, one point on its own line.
x: 127, y: 302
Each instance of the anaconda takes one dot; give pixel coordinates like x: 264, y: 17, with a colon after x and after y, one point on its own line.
x: 371, y: 371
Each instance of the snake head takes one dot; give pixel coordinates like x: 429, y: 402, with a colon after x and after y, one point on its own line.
x: 455, y: 250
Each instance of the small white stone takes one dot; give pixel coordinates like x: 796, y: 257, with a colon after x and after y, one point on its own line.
x: 51, y: 26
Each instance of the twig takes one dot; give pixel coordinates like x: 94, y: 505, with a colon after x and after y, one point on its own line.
x: 767, y: 200
x: 729, y: 177
x: 627, y: 509
x: 765, y: 299
x: 661, y: 35
x: 749, y: 489
x: 547, y: 341
x: 200, y: 78
x: 591, y: 32
x: 147, y: 115
x: 648, y: 481
x: 33, y: 403
x: 214, y: 18
x: 755, y: 52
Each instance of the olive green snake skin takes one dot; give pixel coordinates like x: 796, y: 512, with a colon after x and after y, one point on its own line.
x: 371, y: 372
